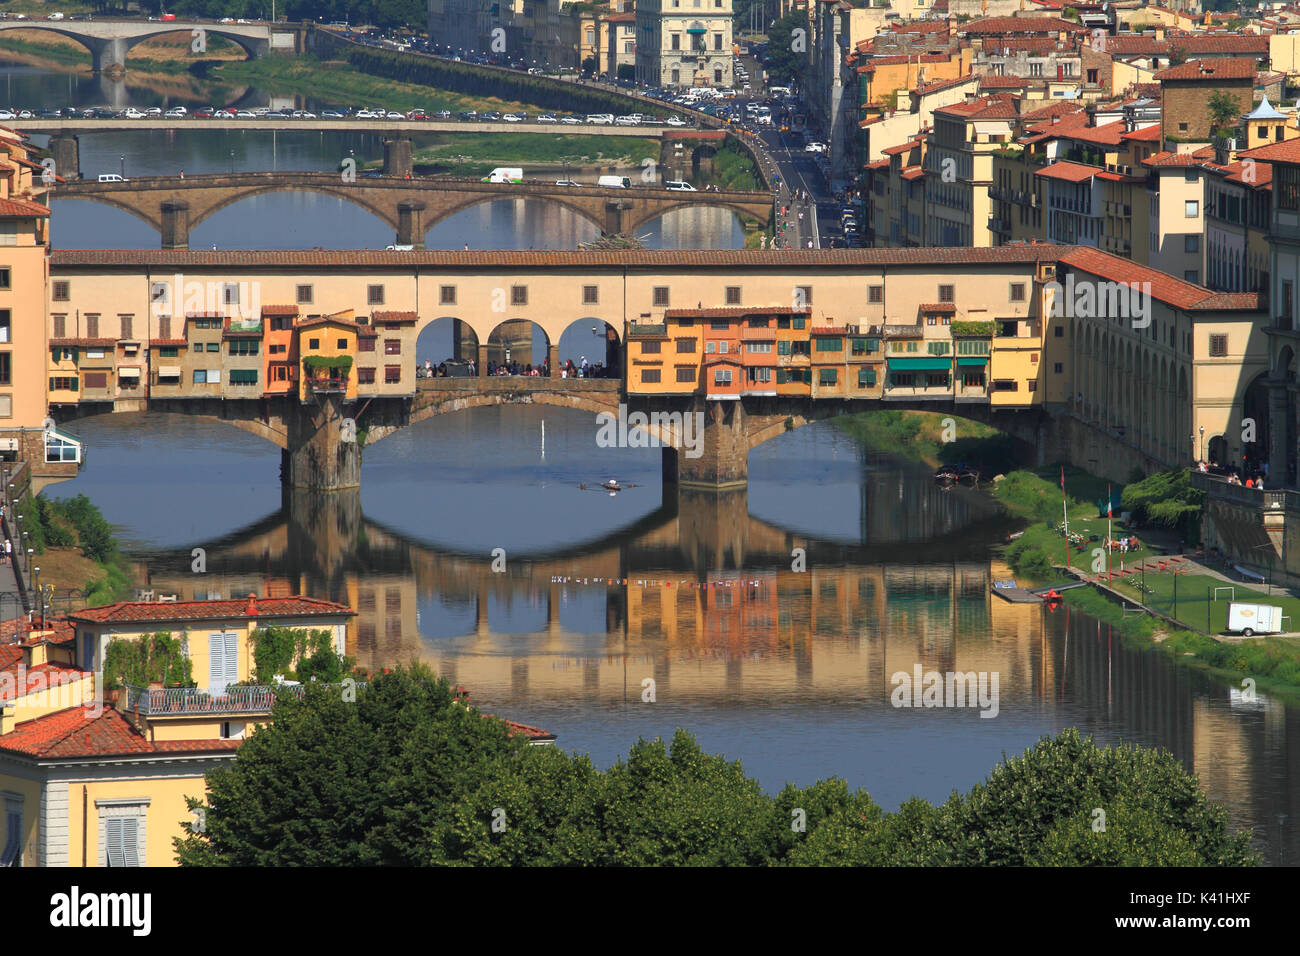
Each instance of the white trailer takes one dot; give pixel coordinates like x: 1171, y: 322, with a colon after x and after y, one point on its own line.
x: 1251, y: 619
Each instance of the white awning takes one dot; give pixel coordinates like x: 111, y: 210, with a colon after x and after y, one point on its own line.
x: 169, y: 371
x: 128, y: 373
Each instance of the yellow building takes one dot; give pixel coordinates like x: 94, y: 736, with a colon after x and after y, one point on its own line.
x: 326, y: 346
x: 959, y: 171
x: 92, y: 783
x: 24, y: 272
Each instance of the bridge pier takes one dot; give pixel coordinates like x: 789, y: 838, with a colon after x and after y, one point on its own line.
x: 553, y: 360
x: 410, y: 230
x: 66, y: 150
x: 397, y: 158
x: 614, y: 218
x: 176, y: 224
x: 720, y: 458
x: 318, y: 458
x: 108, y: 54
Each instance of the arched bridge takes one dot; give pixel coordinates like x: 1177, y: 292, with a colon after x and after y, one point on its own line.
x: 109, y: 40
x: 173, y: 206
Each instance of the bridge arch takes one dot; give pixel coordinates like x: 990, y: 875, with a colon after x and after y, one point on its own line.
x: 461, y: 343
x: 473, y: 201
x: 662, y: 210
x: 513, y: 341
x: 351, y: 196
x: 272, y: 430
x: 594, y: 337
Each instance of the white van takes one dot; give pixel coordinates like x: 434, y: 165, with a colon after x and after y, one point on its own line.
x: 110, y: 178
x: 505, y: 174
x: 614, y: 182
x: 1251, y: 619
x: 601, y: 119
x: 679, y: 185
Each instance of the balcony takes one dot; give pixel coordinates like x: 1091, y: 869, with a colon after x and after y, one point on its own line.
x: 1281, y: 499
x: 327, y: 384
x: 184, y: 701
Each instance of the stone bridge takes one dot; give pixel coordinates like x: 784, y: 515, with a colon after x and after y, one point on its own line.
x: 411, y: 206
x: 109, y: 40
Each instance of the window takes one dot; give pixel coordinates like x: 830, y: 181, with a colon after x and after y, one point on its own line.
x: 876, y: 294
x: 122, y: 843
x: 4, y: 325
x: 313, y: 343
x: 6, y: 406
x: 783, y: 347
x: 946, y: 293
x: 1033, y: 385
x: 733, y: 295
x: 722, y: 376
x: 1192, y: 208
x: 1191, y: 243
x: 799, y: 322
x: 392, y: 374
x: 759, y: 374
x: 710, y: 347
x: 366, y: 376
x: 1092, y: 77
x: 96, y: 380
x: 827, y: 376
x: 447, y: 295
x: 1005, y: 385
x: 866, y: 377
x: 365, y: 343
x: 61, y: 291
x: 375, y: 295
x: 685, y: 346
x: 212, y: 347
x: 164, y: 326
x: 940, y: 348
x: 1059, y: 332
x: 758, y: 348
x: 1192, y: 275
x: 6, y: 369
x: 61, y: 326
x: 1218, y: 345
x: 94, y: 353
x: 1033, y: 358
x: 803, y: 295
x: 4, y: 278
x: 392, y: 346
x: 830, y: 344
x: 650, y: 376
x: 304, y: 295
x: 719, y: 325
x: 724, y: 347
x: 63, y: 384
x: 243, y: 347
x: 92, y: 326
x: 211, y: 376
x: 519, y: 295
x: 650, y: 348
x: 590, y: 294
x: 243, y: 376
x: 1058, y: 367
x: 902, y: 379
x: 686, y: 375
x: 1017, y: 292
x: 230, y: 294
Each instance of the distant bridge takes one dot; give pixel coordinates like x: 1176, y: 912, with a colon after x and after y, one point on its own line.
x: 411, y: 206
x: 349, y: 125
x: 109, y: 40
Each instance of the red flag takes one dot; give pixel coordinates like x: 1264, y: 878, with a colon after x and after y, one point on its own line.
x: 1062, y: 477
x: 1108, y: 501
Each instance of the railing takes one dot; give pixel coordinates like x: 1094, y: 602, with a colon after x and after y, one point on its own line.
x: 236, y: 699
x: 1219, y: 488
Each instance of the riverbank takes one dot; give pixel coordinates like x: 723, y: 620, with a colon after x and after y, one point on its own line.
x: 76, y: 551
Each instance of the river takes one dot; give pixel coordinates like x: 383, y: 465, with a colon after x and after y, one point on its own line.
x: 787, y: 670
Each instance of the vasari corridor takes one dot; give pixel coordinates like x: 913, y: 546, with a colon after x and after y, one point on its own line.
x: 651, y: 433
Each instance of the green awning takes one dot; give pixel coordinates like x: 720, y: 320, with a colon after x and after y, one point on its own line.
x: 920, y: 364
x: 696, y: 30
x: 972, y: 360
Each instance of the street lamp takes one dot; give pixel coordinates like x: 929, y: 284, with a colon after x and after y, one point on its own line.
x: 1200, y: 445
x: 122, y: 159
x: 232, y: 162
x: 30, y: 552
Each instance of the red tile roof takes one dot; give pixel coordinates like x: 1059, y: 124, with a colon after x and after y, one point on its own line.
x: 1210, y: 71
x: 37, y: 678
x: 73, y: 733
x: 1069, y: 172
x: 516, y: 729
x: 913, y: 173
x: 735, y: 312
x: 1108, y: 134
x: 169, y: 343
x: 393, y: 317
x: 152, y: 612
x: 22, y: 209
x: 1164, y: 287
x: 279, y: 310
x: 85, y: 343
x: 1262, y: 176
x: 989, y: 26
x: 1148, y: 134
x: 938, y: 307
x: 981, y: 109
x: 1284, y: 152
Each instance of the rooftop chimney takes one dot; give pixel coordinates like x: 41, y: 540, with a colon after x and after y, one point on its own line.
x: 250, y: 609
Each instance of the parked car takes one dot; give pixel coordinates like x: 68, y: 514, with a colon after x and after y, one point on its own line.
x: 547, y: 118
x: 111, y: 178
x: 442, y: 115
x: 570, y: 121
x: 567, y: 182
x: 467, y: 116
x: 679, y: 185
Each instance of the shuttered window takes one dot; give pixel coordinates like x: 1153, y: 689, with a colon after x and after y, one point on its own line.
x: 13, y: 836
x: 123, y: 837
x: 223, y: 662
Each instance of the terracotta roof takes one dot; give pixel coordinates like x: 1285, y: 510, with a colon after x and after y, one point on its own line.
x: 279, y: 310
x: 37, y: 678
x: 1148, y: 134
x: 1287, y: 151
x: 151, y: 612
x: 913, y: 172
x: 981, y: 109
x: 1011, y: 25
x: 1060, y: 108
x: 938, y: 307
x: 73, y: 733
x: 1209, y: 71
x: 1108, y: 134
x: 938, y: 85
x: 516, y: 729
x: 1069, y: 172
x: 878, y: 164
x: 900, y: 148
x: 313, y: 320
x: 86, y: 343
x: 1164, y: 287
x: 392, y: 317
x: 735, y: 312
x: 169, y: 343
x: 22, y: 209
x: 1262, y: 175
x: 1180, y: 160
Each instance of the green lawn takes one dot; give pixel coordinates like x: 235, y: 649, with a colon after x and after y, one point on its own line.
x: 1195, y: 599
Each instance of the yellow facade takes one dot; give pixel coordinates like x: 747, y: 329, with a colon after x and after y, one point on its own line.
x: 327, y: 337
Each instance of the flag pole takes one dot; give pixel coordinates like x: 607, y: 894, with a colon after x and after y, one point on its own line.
x: 1108, y: 541
x: 1065, y: 517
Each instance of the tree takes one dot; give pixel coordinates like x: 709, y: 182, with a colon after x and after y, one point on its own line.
x: 787, y: 47
x: 1223, y: 110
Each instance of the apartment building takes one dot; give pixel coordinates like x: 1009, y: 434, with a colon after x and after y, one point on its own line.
x: 684, y: 42
x: 958, y: 166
